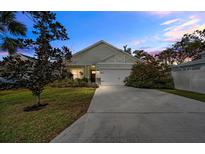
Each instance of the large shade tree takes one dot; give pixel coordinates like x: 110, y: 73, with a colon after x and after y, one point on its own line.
x: 190, y: 46
x: 151, y: 72
x: 167, y: 56
x: 10, y: 30
x: 155, y: 72
x: 144, y: 56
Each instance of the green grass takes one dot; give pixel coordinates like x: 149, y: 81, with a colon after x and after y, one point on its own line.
x: 65, y: 106
x: 188, y: 94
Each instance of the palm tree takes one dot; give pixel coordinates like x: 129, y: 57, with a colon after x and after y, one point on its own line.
x: 127, y: 50
x: 9, y: 26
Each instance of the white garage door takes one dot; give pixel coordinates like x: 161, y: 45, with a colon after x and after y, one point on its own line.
x: 113, y: 77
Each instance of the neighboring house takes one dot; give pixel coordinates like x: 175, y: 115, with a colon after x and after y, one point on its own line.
x: 102, y: 63
x: 3, y: 67
x: 24, y: 57
x: 20, y: 55
x: 191, y: 75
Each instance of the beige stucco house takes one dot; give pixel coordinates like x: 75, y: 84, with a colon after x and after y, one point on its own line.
x: 102, y: 63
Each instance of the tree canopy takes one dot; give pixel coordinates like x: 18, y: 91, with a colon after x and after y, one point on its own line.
x: 49, y: 61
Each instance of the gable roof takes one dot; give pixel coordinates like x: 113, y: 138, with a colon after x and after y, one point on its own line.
x: 108, y: 44
x: 22, y: 56
x: 28, y: 57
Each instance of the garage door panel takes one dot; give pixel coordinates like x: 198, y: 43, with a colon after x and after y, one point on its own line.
x: 113, y: 77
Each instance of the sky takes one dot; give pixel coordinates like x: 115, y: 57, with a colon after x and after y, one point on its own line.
x: 150, y: 31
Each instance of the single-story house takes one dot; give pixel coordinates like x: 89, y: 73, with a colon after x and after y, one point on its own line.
x: 102, y: 63
x: 190, y: 75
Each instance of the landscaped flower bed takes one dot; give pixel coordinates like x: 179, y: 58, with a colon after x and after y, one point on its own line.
x: 73, y: 83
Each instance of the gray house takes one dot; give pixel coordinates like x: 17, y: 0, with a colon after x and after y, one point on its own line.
x: 102, y: 63
x: 191, y: 75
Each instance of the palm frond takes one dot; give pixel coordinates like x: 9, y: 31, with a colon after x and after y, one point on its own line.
x: 7, y: 16
x: 10, y: 45
x: 17, y: 28
x: 8, y: 23
x: 10, y: 26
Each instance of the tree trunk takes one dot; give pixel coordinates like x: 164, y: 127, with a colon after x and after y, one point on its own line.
x: 39, y: 99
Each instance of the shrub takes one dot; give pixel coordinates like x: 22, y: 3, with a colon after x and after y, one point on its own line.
x: 85, y: 79
x: 73, y: 83
x: 6, y: 84
x: 66, y: 74
x: 150, y: 75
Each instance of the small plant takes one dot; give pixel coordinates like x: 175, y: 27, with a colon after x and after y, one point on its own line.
x: 85, y: 79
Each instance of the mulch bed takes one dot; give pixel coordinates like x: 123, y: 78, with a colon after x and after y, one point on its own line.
x: 35, y: 107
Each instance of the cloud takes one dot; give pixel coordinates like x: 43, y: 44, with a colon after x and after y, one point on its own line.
x: 189, y: 23
x: 2, y: 53
x: 174, y: 33
x: 161, y: 13
x: 137, y: 42
x: 169, y: 28
x: 144, y: 47
x: 170, y: 21
x: 154, y: 51
x: 154, y: 37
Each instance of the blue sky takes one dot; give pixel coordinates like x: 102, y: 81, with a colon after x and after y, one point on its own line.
x: 151, y: 31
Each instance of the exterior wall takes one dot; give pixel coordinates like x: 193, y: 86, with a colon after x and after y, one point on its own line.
x: 101, y: 53
x: 103, y: 56
x: 191, y: 78
x: 102, y: 66
x: 119, y: 58
x: 93, y: 55
x: 87, y: 71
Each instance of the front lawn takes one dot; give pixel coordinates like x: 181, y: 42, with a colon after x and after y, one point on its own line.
x: 65, y: 106
x: 189, y: 94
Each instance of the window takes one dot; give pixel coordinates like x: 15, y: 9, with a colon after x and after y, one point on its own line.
x: 77, y: 73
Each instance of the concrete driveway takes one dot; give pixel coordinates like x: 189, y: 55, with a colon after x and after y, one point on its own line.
x: 125, y: 114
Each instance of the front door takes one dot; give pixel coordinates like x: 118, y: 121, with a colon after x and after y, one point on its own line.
x: 92, y: 76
